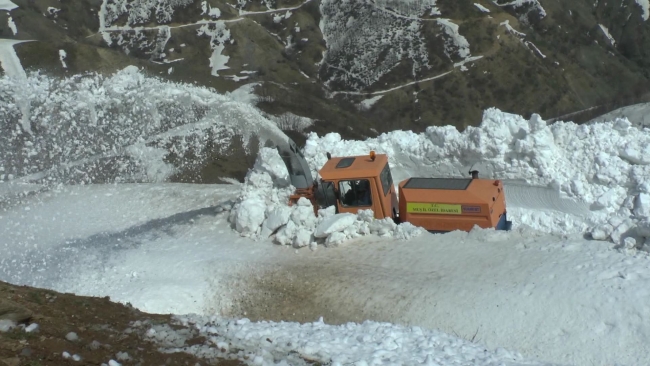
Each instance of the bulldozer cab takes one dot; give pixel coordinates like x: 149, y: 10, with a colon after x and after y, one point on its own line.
x: 360, y: 183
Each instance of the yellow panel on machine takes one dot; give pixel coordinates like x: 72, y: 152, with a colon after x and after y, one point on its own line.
x: 433, y: 208
x: 447, y: 204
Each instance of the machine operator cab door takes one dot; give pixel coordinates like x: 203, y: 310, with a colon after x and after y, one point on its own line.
x: 362, y: 183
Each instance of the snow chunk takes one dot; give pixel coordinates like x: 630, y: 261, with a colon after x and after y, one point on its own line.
x: 250, y: 216
x: 642, y: 206
x: 62, y: 56
x: 456, y: 43
x: 219, y: 34
x: 12, y: 25
x: 213, y: 13
x: 6, y: 325
x: 608, y: 35
x: 368, y: 103
x: 482, y: 8
x: 336, y: 223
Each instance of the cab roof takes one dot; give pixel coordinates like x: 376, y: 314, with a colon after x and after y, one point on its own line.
x: 347, y: 167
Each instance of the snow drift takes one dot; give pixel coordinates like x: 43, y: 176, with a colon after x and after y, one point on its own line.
x: 605, y: 166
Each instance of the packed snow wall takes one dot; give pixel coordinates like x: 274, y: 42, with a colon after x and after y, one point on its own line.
x: 603, y: 166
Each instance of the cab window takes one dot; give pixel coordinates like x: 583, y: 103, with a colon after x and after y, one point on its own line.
x: 386, y: 179
x: 355, y: 193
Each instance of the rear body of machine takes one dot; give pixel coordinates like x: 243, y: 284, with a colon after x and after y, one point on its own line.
x: 447, y: 204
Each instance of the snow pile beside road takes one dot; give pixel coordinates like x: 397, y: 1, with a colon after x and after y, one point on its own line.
x: 263, y: 211
x: 605, y: 165
x: 368, y: 343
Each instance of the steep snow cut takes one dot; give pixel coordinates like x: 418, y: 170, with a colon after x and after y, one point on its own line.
x: 602, y: 170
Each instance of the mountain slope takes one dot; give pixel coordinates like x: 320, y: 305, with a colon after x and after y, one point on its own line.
x: 355, y: 67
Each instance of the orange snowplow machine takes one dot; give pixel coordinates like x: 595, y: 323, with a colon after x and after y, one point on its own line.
x: 354, y: 183
x: 446, y: 204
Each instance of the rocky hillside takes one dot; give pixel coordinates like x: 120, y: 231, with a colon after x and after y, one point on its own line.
x: 43, y: 327
x: 355, y: 67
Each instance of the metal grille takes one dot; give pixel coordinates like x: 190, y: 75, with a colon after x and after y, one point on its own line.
x: 438, y: 183
x: 345, y: 162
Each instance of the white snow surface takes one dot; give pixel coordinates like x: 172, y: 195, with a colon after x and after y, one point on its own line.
x: 12, y: 25
x: 482, y: 8
x: 645, y: 8
x: 366, y: 104
x: 541, y: 290
x: 456, y: 43
x: 62, y: 56
x: 218, y: 34
x: 7, y: 5
x: 375, y: 343
x: 168, y: 248
x: 607, y: 34
x: 362, y: 29
x: 638, y: 114
x: 9, y: 60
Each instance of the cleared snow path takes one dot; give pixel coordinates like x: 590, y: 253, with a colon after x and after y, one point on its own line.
x: 165, y: 248
x: 566, y: 301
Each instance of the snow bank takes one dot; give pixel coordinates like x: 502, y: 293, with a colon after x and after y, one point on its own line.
x: 605, y: 165
x: 262, y: 211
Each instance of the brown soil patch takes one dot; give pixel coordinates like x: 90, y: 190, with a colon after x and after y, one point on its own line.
x: 104, y: 329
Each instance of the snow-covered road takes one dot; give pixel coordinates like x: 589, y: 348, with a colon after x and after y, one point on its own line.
x: 165, y: 248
